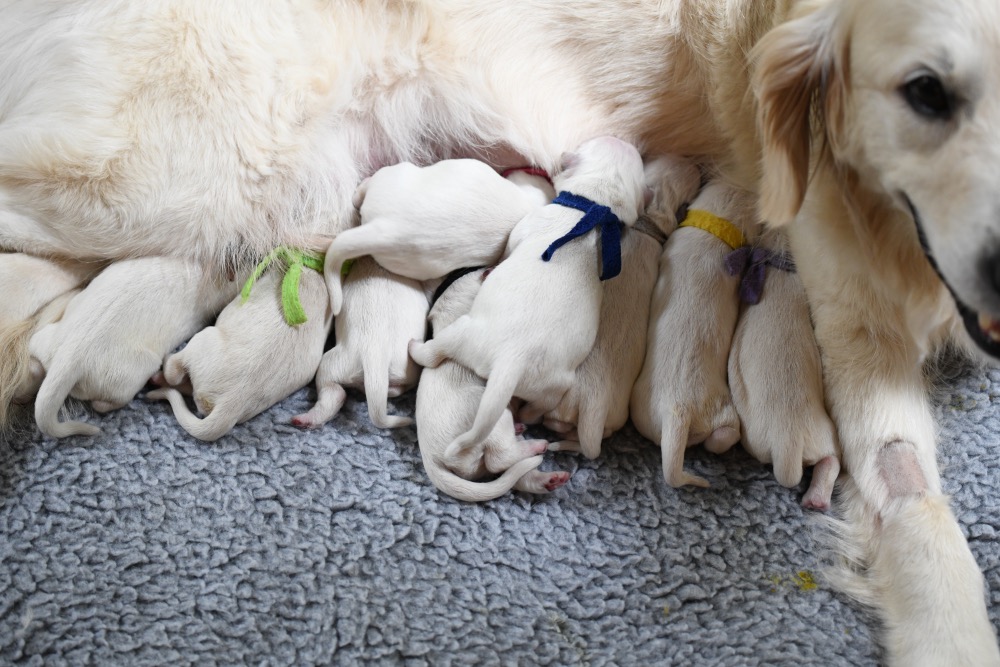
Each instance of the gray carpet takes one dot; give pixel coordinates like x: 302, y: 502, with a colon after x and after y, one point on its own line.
x: 278, y: 547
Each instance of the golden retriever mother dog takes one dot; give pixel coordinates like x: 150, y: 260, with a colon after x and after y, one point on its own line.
x: 217, y: 130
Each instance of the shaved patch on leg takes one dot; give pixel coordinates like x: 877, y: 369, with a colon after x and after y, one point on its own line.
x: 900, y: 470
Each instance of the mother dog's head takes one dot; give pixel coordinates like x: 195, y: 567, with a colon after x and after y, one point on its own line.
x: 906, y: 93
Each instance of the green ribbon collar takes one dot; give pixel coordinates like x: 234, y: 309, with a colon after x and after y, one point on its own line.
x: 294, y: 261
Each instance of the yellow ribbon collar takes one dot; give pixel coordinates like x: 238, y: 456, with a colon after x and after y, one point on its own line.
x: 718, y: 227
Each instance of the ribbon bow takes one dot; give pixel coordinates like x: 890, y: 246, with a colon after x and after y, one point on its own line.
x: 751, y: 264
x: 294, y: 261
x: 594, y: 215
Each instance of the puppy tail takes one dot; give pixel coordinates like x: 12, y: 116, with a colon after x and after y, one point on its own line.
x: 448, y: 482
x: 52, y: 395
x: 673, y: 443
x: 499, y: 390
x: 349, y: 244
x: 590, y: 430
x: 209, y: 429
x: 376, y: 372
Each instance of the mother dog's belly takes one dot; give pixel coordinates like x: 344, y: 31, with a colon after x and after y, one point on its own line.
x: 214, y: 129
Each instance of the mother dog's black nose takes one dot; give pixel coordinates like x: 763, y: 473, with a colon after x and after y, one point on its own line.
x: 990, y: 267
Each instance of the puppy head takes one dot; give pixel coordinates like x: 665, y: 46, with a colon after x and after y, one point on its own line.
x: 673, y: 182
x: 608, y: 171
x: 907, y: 94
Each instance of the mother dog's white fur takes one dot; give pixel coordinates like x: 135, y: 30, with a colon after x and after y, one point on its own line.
x: 220, y: 129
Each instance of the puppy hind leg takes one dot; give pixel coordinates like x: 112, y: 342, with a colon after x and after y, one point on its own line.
x: 539, y: 482
x: 500, y: 456
x: 442, y: 346
x: 496, y: 397
x: 329, y: 400
x: 820, y: 492
x: 590, y: 430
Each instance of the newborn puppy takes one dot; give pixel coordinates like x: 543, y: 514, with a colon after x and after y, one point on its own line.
x: 776, y: 380
x: 251, y: 359
x: 534, y: 322
x: 115, y: 333
x: 447, y: 399
x: 28, y: 284
x: 597, y: 403
x: 425, y: 222
x: 382, y: 313
x: 681, y: 397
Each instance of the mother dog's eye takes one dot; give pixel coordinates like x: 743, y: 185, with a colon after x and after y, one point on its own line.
x: 926, y: 95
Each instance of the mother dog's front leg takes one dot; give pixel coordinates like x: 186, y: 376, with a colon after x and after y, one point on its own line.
x: 905, y: 553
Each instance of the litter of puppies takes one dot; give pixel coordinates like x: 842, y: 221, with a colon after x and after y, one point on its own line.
x: 576, y: 303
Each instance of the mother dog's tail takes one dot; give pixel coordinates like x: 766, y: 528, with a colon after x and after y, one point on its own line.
x: 15, y: 358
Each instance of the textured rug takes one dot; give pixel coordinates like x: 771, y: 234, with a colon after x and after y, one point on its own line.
x: 279, y: 547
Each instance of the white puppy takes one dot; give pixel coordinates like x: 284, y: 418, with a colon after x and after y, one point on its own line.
x: 29, y: 284
x: 116, y: 332
x: 425, y: 222
x: 447, y: 399
x: 597, y: 403
x: 681, y: 397
x: 777, y: 382
x: 534, y: 321
x: 382, y: 314
x: 251, y: 359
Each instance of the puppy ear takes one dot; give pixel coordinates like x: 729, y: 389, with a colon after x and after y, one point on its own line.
x: 799, y: 84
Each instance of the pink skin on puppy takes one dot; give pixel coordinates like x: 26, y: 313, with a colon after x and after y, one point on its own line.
x: 251, y: 359
x: 447, y: 400
x: 534, y: 322
x: 681, y: 397
x: 425, y: 222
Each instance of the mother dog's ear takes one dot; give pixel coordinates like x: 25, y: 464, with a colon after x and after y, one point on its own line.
x: 800, y: 74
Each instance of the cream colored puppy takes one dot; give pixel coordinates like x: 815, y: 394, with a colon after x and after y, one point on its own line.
x: 681, y: 397
x: 447, y: 399
x: 382, y: 314
x: 114, y: 335
x: 534, y: 322
x: 597, y: 404
x: 251, y: 359
x: 776, y: 380
x: 29, y: 285
x: 425, y: 222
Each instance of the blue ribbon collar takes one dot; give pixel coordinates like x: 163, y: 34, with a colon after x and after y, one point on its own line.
x: 594, y: 215
x: 751, y: 265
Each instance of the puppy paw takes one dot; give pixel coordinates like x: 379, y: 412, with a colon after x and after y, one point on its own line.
x: 304, y: 421
x: 555, y: 480
x: 815, y: 501
x: 520, y: 428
